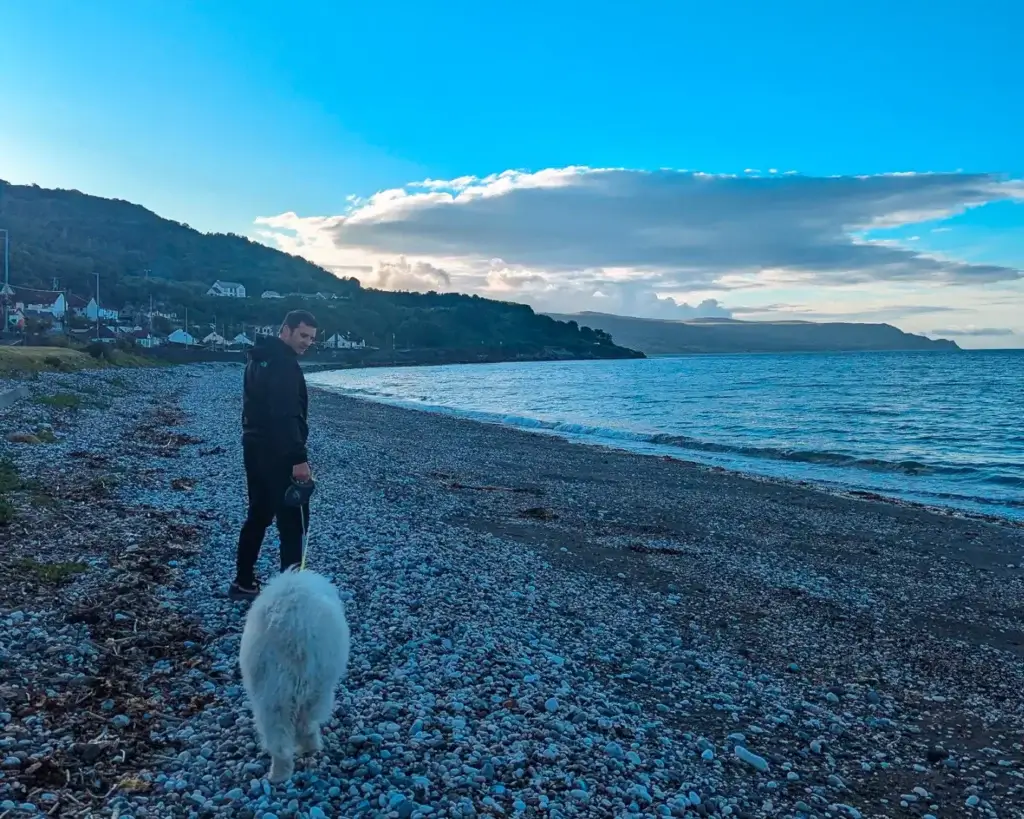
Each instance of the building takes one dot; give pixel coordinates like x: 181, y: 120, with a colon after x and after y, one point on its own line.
x: 229, y: 289
x: 144, y: 338
x: 338, y: 342
x: 214, y: 339
x: 92, y: 311
x: 271, y: 294
x: 52, y: 303
x: 182, y: 337
x: 241, y: 340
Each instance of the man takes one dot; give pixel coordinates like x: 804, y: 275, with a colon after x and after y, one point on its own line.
x: 274, y: 434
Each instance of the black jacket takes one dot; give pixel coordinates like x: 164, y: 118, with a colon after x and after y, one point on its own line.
x: 274, y: 401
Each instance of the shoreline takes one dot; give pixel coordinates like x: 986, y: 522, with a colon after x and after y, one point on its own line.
x: 538, y: 627
x: 666, y: 453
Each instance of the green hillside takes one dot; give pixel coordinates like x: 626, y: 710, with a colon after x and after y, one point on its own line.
x: 68, y: 237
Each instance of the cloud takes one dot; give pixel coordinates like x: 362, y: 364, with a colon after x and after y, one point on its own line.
x: 401, y: 275
x: 681, y: 226
x: 975, y: 331
x: 615, y: 239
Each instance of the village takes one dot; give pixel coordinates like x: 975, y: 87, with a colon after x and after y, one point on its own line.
x: 51, y: 314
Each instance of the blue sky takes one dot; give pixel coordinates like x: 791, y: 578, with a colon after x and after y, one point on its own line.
x: 219, y: 114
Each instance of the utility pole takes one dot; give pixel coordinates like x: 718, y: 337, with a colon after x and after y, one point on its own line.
x: 7, y: 282
x: 97, y: 274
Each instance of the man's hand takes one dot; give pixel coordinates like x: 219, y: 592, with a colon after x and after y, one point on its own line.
x: 301, y: 472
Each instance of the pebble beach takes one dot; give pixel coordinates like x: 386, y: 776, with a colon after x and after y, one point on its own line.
x: 539, y: 628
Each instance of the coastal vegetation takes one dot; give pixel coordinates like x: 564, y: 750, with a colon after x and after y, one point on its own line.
x: 142, y: 264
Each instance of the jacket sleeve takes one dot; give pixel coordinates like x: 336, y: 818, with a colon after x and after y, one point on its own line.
x: 284, y: 402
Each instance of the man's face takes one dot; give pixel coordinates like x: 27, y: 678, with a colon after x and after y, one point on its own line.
x: 300, y: 338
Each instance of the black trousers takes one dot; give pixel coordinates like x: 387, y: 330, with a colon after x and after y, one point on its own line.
x: 267, y: 478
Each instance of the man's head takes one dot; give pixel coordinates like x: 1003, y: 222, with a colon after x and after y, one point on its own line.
x: 298, y: 330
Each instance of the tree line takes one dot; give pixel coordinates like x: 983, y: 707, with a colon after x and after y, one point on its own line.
x: 67, y: 238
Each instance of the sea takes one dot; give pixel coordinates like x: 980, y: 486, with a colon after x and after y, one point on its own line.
x: 939, y: 428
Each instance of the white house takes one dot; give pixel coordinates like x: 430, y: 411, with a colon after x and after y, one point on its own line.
x: 215, y: 339
x: 268, y: 330
x: 230, y: 289
x: 144, y: 338
x: 94, y: 312
x: 242, y: 340
x: 337, y: 342
x: 271, y: 294
x: 180, y: 336
x: 29, y: 300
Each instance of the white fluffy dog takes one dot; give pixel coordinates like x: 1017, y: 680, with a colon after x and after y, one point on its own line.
x: 294, y: 651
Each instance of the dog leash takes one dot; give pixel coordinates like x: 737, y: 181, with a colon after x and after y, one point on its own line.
x: 305, y: 538
x: 298, y: 494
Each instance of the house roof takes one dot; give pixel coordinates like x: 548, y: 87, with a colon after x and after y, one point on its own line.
x: 90, y: 332
x: 29, y: 295
x: 227, y: 284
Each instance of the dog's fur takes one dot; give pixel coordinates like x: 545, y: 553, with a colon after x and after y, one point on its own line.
x: 294, y: 651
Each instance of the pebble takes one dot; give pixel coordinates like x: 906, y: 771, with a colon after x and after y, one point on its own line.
x: 486, y: 678
x: 752, y: 759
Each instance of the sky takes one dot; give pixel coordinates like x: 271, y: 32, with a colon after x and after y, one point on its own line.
x: 793, y: 160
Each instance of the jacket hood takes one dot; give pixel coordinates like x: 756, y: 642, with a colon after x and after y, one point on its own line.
x: 266, y: 349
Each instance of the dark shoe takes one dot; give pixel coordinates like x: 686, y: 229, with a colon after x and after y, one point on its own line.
x: 237, y: 591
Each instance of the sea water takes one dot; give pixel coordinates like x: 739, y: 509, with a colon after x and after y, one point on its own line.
x: 941, y: 428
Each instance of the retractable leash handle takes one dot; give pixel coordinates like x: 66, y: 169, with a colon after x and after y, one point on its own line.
x: 298, y: 495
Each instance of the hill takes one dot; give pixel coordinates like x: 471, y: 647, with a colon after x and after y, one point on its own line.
x: 63, y: 239
x: 662, y: 337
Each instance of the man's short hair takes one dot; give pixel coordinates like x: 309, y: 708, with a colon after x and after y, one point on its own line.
x: 297, y: 317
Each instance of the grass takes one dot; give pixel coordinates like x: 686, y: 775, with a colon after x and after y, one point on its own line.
x: 50, y: 572
x: 11, y: 481
x: 29, y: 361
x: 10, y: 478
x: 60, y: 400
x: 24, y: 360
x: 103, y: 485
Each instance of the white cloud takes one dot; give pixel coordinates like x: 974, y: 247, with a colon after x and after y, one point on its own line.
x: 400, y: 275
x: 576, y: 238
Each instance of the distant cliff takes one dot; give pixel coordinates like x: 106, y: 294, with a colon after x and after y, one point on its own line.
x: 716, y: 335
